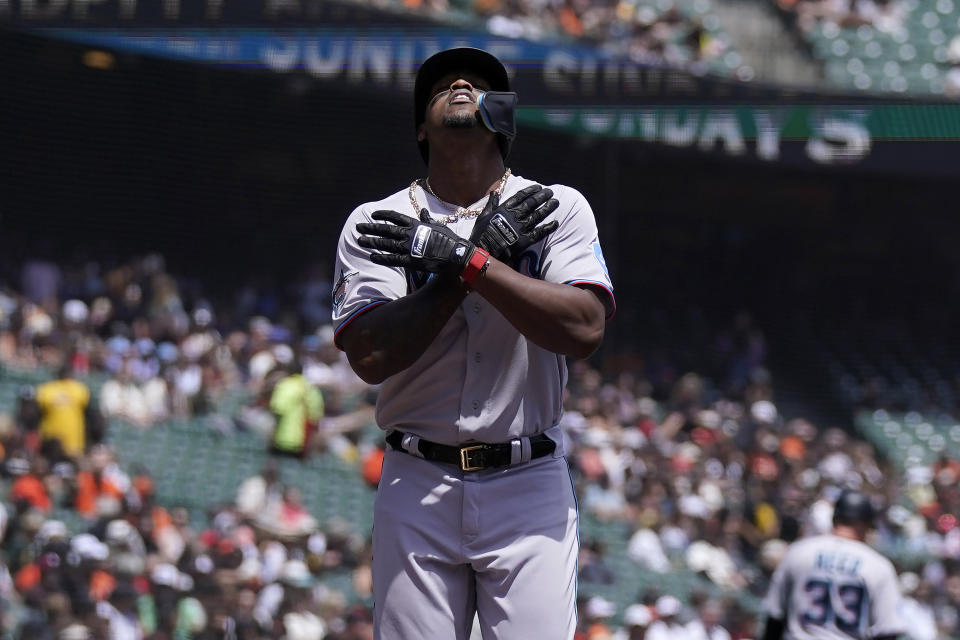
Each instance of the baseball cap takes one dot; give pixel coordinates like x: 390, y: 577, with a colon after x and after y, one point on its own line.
x: 599, y: 607
x: 637, y: 615
x: 75, y: 631
x: 853, y: 507
x: 118, y: 532
x: 764, y: 411
x: 75, y: 311
x: 249, y: 569
x: 168, y: 575
x: 296, y: 574
x: 668, y: 606
x: 88, y: 547
x: 52, y: 529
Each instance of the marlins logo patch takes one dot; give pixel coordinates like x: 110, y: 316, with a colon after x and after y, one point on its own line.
x: 340, y: 289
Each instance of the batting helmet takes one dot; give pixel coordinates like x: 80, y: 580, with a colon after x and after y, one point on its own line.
x: 496, y: 110
x: 852, y: 507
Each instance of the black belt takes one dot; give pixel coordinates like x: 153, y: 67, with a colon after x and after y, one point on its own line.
x: 474, y: 457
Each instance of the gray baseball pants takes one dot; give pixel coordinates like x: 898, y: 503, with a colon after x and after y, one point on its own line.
x: 500, y: 542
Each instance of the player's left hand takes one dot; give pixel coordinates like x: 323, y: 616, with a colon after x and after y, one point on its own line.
x: 418, y: 245
x: 506, y: 230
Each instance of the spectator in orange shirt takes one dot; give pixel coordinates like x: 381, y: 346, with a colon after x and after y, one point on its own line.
x: 102, y: 478
x: 29, y: 487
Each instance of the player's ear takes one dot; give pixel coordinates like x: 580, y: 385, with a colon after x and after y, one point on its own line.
x: 421, y: 133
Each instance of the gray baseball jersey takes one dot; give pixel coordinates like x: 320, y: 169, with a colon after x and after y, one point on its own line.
x: 474, y: 382
x: 832, y: 588
x: 501, y: 542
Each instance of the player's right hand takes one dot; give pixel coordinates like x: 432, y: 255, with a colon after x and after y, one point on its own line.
x: 417, y: 245
x: 506, y: 230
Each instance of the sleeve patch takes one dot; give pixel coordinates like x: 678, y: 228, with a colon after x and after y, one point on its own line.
x: 340, y: 289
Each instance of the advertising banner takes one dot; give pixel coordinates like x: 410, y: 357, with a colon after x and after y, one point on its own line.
x: 575, y: 90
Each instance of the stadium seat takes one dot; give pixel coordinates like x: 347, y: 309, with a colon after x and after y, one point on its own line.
x: 911, y: 59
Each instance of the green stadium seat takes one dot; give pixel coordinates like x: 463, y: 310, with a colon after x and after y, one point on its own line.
x: 904, y: 440
x: 892, y: 428
x: 855, y: 66
x: 937, y: 443
x: 955, y: 433
x: 863, y: 81
x: 928, y: 29
x: 907, y: 52
x: 873, y: 49
x: 923, y: 431
x: 899, y: 84
x: 937, y: 37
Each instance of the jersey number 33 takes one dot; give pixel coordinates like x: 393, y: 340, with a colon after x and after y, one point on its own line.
x: 837, y: 603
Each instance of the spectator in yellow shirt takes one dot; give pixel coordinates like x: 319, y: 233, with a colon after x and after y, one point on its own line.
x: 62, y: 405
x: 298, y: 406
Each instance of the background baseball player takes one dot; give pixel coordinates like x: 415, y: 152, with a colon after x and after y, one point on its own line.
x: 833, y: 585
x: 456, y: 294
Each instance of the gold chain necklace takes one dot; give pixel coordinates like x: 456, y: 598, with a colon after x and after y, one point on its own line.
x: 459, y: 213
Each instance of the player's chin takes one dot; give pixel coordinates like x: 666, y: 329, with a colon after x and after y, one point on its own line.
x: 462, y: 118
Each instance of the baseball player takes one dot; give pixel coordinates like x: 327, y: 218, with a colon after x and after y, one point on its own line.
x: 462, y: 294
x: 833, y: 586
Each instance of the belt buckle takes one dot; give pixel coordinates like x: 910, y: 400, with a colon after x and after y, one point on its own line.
x: 465, y: 457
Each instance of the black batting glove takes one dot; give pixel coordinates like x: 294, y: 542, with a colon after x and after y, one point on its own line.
x: 506, y: 230
x: 417, y: 245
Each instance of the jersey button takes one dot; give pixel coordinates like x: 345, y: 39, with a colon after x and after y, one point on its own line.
x: 476, y: 308
x: 476, y: 405
x: 476, y: 357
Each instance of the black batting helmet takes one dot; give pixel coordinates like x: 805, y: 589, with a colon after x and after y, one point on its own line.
x: 853, y: 507
x: 484, y: 64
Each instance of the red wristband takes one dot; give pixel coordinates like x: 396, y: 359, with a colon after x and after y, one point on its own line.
x: 477, y: 264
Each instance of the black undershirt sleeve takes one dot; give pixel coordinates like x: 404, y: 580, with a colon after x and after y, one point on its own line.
x: 773, y: 629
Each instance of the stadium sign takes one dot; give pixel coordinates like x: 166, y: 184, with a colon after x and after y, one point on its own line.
x: 890, y: 137
x: 573, y: 90
x: 829, y: 135
x: 548, y: 73
x: 180, y: 13
x: 897, y: 137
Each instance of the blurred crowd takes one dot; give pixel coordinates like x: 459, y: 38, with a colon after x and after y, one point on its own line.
x: 663, y: 33
x: 887, y: 16
x: 165, y: 347
x: 681, y: 447
x: 680, y: 33
x: 139, y: 570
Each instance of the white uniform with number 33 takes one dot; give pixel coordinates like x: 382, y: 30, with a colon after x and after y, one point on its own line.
x: 832, y: 588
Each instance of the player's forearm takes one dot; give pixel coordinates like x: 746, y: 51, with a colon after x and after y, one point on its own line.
x: 390, y: 338
x: 557, y: 317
